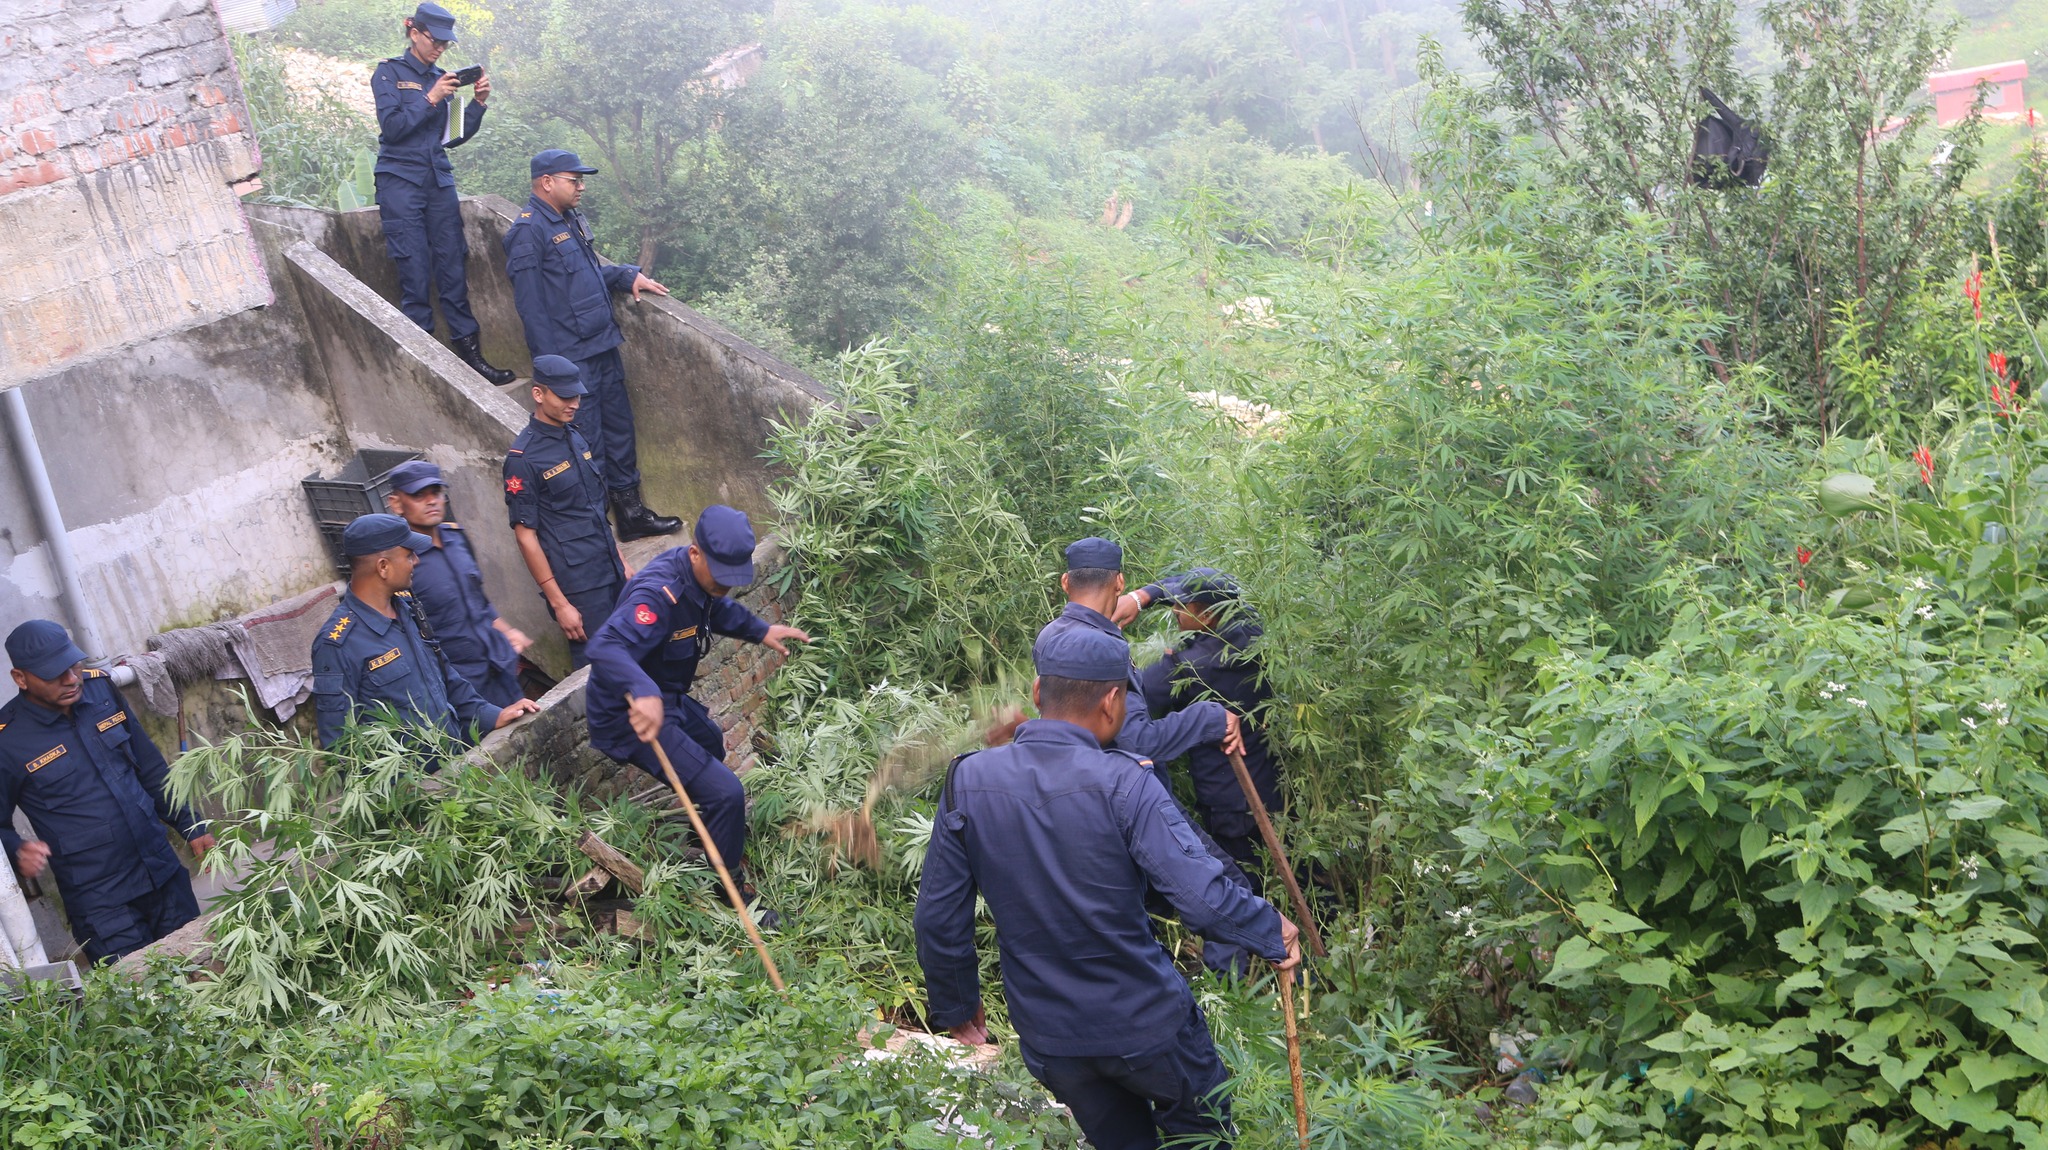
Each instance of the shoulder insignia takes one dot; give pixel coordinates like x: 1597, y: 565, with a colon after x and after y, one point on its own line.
x: 586, y: 455
x: 560, y: 236
x: 383, y: 659
x: 46, y: 758
x: 557, y: 469
x: 685, y: 633
x: 90, y: 673
x: 515, y: 451
x: 409, y: 84
x: 112, y: 721
x: 340, y: 628
x: 3, y: 726
x: 643, y: 615
x: 514, y: 485
x: 452, y: 526
x: 670, y: 592
x: 401, y: 594
x: 526, y: 215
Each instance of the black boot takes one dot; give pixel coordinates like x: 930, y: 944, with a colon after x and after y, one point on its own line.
x: 635, y: 520
x: 472, y: 354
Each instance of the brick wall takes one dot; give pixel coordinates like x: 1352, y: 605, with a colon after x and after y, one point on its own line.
x: 122, y: 129
x: 731, y: 682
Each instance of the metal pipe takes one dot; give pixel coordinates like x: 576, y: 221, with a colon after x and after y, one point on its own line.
x: 84, y: 628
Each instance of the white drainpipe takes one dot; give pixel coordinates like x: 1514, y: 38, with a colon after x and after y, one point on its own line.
x: 84, y: 628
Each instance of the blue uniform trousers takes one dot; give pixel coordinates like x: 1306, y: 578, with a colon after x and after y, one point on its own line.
x: 499, y: 685
x: 606, y: 419
x: 696, y: 747
x: 595, y: 605
x: 1130, y: 1103
x: 423, y: 234
x: 108, y: 932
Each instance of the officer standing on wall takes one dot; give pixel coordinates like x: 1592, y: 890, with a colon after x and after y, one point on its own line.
x: 563, y: 293
x: 650, y: 648
x: 373, y: 658
x: 416, y: 186
x: 1063, y: 839
x: 449, y: 586
x: 1214, y: 661
x: 554, y: 490
x: 78, y: 762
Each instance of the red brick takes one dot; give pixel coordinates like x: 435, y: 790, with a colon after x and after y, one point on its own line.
x: 35, y: 141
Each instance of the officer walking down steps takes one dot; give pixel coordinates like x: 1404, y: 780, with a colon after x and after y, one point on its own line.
x: 77, y: 761
x: 374, y: 656
x: 1061, y: 838
x: 449, y: 585
x: 564, y: 296
x: 416, y: 186
x: 649, y: 649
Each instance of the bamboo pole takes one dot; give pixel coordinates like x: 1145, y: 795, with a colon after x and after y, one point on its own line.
x: 1286, y: 978
x: 1306, y: 920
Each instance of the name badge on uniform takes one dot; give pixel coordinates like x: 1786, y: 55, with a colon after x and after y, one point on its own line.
x: 409, y: 84
x: 112, y: 721
x: 46, y: 758
x: 386, y: 657
x: 557, y: 469
x: 560, y: 237
x: 685, y: 633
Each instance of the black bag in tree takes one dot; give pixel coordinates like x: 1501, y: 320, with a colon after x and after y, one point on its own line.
x: 1726, y: 150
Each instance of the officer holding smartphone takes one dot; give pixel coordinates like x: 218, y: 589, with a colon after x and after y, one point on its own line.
x: 416, y: 186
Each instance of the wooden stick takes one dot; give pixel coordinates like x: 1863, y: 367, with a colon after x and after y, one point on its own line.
x: 608, y: 857
x: 1307, y: 921
x: 732, y: 890
x: 1286, y: 978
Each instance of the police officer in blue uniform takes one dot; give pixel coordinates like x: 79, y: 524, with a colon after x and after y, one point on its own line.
x: 649, y: 649
x: 564, y: 295
x: 449, y: 586
x: 1215, y: 661
x: 554, y: 491
x: 375, y: 658
x: 1063, y: 839
x: 75, y: 758
x: 1094, y: 582
x: 416, y: 186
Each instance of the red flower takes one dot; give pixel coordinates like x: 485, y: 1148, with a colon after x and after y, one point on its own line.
x: 1973, y: 290
x: 1997, y: 360
x: 1805, y: 556
x: 1802, y: 584
x: 1925, y: 459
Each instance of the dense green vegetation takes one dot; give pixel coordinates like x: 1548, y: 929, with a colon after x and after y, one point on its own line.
x: 1652, y: 581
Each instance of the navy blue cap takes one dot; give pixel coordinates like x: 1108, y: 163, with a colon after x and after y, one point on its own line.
x: 1096, y: 553
x: 1071, y: 652
x: 555, y: 161
x: 369, y: 534
x: 414, y: 475
x: 726, y: 539
x: 1202, y: 587
x: 559, y: 375
x: 435, y: 21
x: 43, y: 649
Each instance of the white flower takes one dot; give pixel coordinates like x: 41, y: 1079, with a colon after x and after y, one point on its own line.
x: 1854, y: 565
x: 1992, y: 707
x: 2005, y: 720
x: 1925, y: 611
x: 1920, y: 584
x: 1969, y: 722
x: 1970, y: 866
x: 1856, y: 702
x: 1837, y: 687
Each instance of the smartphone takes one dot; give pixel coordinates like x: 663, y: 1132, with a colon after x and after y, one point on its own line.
x: 469, y: 75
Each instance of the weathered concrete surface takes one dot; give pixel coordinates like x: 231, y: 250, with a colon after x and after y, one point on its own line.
x: 702, y: 397
x: 122, y: 127
x: 176, y: 465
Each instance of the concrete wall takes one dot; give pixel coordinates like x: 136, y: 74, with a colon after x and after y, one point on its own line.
x: 702, y: 397
x: 122, y: 129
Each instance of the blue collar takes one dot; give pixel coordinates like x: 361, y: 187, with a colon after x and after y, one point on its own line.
x: 367, y: 615
x: 545, y: 212
x: 413, y: 64
x: 1091, y: 617
x: 538, y: 426
x: 47, y: 716
x: 1058, y: 732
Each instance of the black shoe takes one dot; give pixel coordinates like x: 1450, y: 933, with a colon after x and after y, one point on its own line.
x: 636, y: 520
x: 472, y: 354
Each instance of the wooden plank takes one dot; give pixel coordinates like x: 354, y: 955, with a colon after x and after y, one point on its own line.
x: 605, y: 855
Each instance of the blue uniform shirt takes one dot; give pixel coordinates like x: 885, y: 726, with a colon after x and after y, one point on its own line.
x: 450, y: 585
x: 409, y: 129
x: 554, y: 486
x: 1161, y: 740
x: 93, y: 785
x: 1217, y: 666
x: 364, y: 662
x: 1062, y: 838
x: 652, y: 642
x: 562, y: 290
